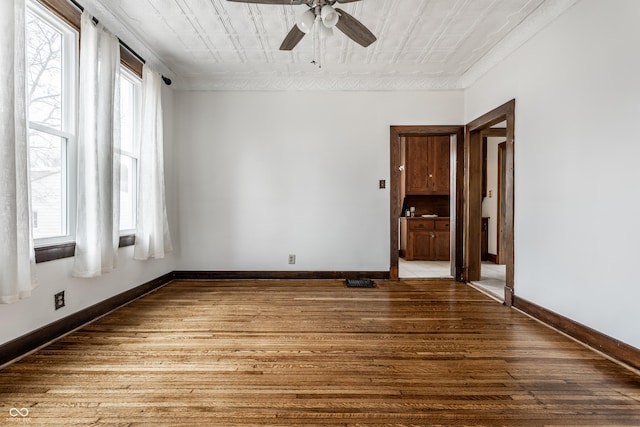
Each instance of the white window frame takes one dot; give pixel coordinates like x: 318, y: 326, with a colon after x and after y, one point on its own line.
x: 135, y: 154
x: 70, y: 61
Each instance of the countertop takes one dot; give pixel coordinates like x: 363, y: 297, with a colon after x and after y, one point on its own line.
x: 428, y: 217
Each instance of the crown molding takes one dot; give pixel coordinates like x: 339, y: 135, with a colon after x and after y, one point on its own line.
x: 544, y: 15
x: 115, y: 25
x: 318, y: 83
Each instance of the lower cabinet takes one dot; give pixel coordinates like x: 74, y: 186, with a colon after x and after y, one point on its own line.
x: 424, y: 239
x: 419, y: 245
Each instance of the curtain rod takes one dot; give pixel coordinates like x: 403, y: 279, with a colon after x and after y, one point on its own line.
x: 166, y: 80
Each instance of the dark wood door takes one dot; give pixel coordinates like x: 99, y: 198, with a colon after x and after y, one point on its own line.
x: 417, y: 165
x: 420, y: 244
x: 439, y: 164
x: 440, y: 246
x: 427, y: 169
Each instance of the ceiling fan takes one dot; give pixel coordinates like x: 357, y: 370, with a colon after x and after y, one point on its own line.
x: 325, y: 16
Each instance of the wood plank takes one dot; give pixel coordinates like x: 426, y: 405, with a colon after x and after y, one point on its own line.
x: 494, y: 132
x: 502, y: 205
x: 313, y: 352
x: 473, y: 211
x: 396, y: 193
x: 507, y: 250
x: 608, y: 345
x: 458, y: 217
x: 65, y: 10
x: 42, y: 336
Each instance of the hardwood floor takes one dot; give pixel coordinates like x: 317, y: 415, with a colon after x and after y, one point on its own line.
x: 410, y: 352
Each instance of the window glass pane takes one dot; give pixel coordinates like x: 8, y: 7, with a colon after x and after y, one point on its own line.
x: 128, y: 190
x: 127, y: 115
x: 44, y: 72
x: 47, y: 184
x: 129, y: 128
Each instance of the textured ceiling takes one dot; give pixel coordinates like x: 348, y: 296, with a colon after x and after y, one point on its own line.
x: 216, y: 44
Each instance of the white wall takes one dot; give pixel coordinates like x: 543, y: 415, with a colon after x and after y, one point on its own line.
x: 577, y: 202
x: 32, y: 313
x: 266, y: 174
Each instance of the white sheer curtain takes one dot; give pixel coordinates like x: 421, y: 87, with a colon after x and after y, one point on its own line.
x: 17, y: 260
x: 152, y: 230
x: 98, y: 191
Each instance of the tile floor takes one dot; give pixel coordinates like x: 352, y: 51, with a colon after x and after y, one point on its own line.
x: 492, y: 275
x: 492, y: 279
x: 425, y: 269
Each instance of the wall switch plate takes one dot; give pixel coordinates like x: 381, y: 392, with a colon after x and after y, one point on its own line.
x: 292, y: 259
x: 59, y: 300
x: 382, y: 184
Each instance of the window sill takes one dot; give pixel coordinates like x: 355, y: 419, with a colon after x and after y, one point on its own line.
x: 67, y: 250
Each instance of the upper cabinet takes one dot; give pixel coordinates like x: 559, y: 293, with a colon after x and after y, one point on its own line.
x: 427, y: 165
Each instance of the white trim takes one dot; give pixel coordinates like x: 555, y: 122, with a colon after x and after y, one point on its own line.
x: 539, y: 19
x: 68, y: 131
x: 135, y: 154
x: 318, y: 83
x: 51, y: 131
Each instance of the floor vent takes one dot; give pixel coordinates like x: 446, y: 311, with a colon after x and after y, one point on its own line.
x: 360, y: 283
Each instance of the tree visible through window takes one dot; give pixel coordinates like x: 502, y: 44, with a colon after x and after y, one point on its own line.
x: 52, y: 64
x: 50, y: 56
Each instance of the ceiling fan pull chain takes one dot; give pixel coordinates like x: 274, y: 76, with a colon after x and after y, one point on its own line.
x: 319, y: 41
x: 313, y: 41
x: 316, y: 43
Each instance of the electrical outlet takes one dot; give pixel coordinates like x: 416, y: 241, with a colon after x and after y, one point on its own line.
x: 59, y: 300
x: 382, y: 184
x: 292, y: 259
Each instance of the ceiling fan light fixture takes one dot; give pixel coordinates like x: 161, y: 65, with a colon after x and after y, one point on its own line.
x: 329, y: 16
x: 305, y: 21
x: 325, y: 32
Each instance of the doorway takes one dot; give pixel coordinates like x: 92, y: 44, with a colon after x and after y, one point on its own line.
x: 493, y: 271
x: 456, y: 133
x: 473, y: 194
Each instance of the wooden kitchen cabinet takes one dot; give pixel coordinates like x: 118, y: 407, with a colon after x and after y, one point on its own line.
x: 424, y: 239
x: 427, y: 167
x: 441, y: 242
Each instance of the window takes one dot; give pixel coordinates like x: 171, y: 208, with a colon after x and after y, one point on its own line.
x: 51, y: 75
x: 52, y: 31
x: 130, y: 114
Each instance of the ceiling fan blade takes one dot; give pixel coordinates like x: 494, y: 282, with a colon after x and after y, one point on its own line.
x: 347, y: 1
x: 294, y: 2
x: 354, y: 29
x: 292, y: 39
